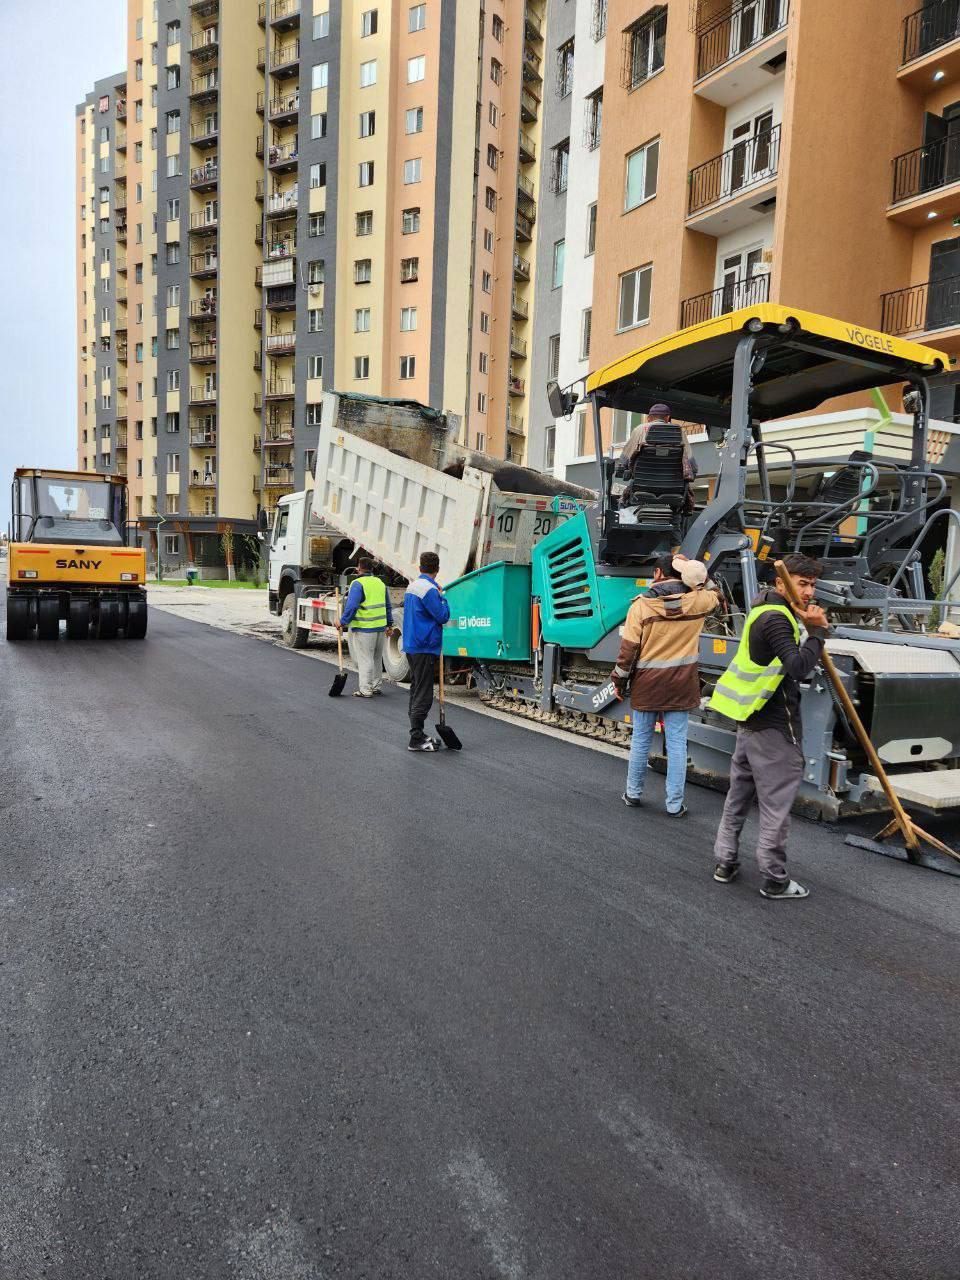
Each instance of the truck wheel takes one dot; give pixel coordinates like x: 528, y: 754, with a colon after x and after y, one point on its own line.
x: 294, y: 637
x: 108, y: 619
x: 48, y: 618
x: 395, y: 663
x: 78, y: 620
x: 136, y: 619
x: 19, y: 618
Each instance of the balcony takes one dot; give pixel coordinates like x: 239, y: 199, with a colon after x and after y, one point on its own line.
x: 282, y: 158
x: 515, y: 425
x: 121, y: 139
x: 258, y: 233
x: 203, y: 480
x: 203, y: 265
x: 121, y: 109
x: 202, y: 395
x: 529, y: 106
x: 931, y: 44
x: 204, y: 177
x: 261, y: 187
x: 279, y: 389
x: 521, y: 267
x: 204, y: 220
x: 524, y: 228
x: 203, y: 309
x: 121, y: 297
x: 737, y: 51
x: 285, y: 59
x: 282, y: 204
x: 736, y: 187
x: 258, y: 318
x: 532, y: 62
x: 720, y: 302
x: 257, y: 444
x: 277, y: 475
x: 284, y: 109
x: 521, y: 308
x: 120, y: 198
x: 282, y: 298
x: 926, y: 182
x: 923, y: 310
x: 527, y: 193
x: 204, y: 8
x: 284, y: 14
x: 203, y: 437
x: 528, y: 148
x: 120, y: 230
x: 122, y: 352
x: 121, y: 440
x: 120, y: 262
x: 261, y: 59
x: 518, y: 345
x: 204, y: 133
x: 205, y: 44
x: 532, y: 26
x: 120, y: 386
x: 280, y: 344
x: 278, y: 432
x: 204, y: 88
x: 258, y: 361
x: 517, y: 386
x: 204, y: 352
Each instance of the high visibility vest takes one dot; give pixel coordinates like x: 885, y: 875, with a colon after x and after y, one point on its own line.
x: 745, y: 686
x: 372, y: 614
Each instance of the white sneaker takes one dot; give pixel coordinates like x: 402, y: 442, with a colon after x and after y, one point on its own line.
x: 790, y: 890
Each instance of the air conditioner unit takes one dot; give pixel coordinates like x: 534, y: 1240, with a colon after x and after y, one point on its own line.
x: 315, y: 290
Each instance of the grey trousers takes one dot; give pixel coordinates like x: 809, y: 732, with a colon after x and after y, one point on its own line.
x: 368, y: 646
x: 768, y: 767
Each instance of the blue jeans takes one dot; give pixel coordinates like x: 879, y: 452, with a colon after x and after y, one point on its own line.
x: 675, y: 733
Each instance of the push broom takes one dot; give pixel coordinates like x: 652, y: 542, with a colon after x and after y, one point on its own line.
x: 444, y: 732
x: 912, y: 834
x: 340, y: 679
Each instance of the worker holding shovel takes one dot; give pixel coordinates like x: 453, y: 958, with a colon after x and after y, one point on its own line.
x: 760, y: 690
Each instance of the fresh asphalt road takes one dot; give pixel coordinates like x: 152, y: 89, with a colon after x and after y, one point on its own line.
x: 282, y: 1001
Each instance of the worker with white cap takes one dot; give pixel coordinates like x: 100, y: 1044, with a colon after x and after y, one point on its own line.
x: 658, y: 665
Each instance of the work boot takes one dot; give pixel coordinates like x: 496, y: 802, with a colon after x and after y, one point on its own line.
x: 726, y: 872
x: 632, y: 802
x: 428, y: 744
x: 776, y: 889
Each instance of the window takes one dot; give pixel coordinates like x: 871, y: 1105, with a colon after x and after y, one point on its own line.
x: 105, y: 400
x: 408, y: 366
x: 361, y: 320
x: 365, y: 173
x: 104, y: 195
x: 138, y: 110
x: 173, y: 210
x: 496, y: 71
x: 313, y: 414
x: 481, y: 441
x: 484, y: 322
x: 641, y: 177
x: 368, y: 124
x: 361, y: 367
x: 318, y: 125
x: 315, y: 320
x: 365, y: 223
x: 153, y: 139
x: 172, y: 254
x: 410, y: 221
x: 362, y: 271
x: 171, y: 544
x: 586, y: 321
x: 173, y: 32
x: 553, y: 356
x: 138, y: 69
x: 173, y: 295
x: 321, y: 25
x: 318, y: 175
x: 581, y: 434
x: 490, y: 199
x: 565, y: 69
x: 559, y: 253
x: 488, y: 239
x: 550, y: 450
x: 319, y: 75
x: 173, y: 464
x: 644, y: 47
x: 493, y: 156
x: 173, y: 166
x: 497, y: 28
x: 416, y: 69
x: 412, y: 170
x: 104, y: 133
x: 317, y: 224
x: 481, y: 404
x: 173, y: 339
x: 634, y: 305
x: 593, y: 120
x: 315, y: 366
x: 486, y: 282
x: 368, y: 73
x: 138, y: 429
x: 173, y: 423
x: 493, y: 114
x: 408, y: 319
x: 482, y: 362
x: 623, y: 424
x: 414, y: 120
x: 315, y: 271
x: 310, y: 461
x: 173, y: 78
x: 591, y: 229
x: 560, y: 166
x: 409, y: 270
x: 368, y: 23
x: 173, y: 379
x: 417, y: 19
x: 138, y: 353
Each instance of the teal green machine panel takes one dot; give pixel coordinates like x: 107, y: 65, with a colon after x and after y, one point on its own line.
x: 577, y: 608
x: 490, y: 614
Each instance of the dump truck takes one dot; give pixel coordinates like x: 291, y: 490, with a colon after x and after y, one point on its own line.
x: 67, y: 559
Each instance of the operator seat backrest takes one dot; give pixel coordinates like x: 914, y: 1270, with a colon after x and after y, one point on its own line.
x: 846, y: 483
x: 658, y: 465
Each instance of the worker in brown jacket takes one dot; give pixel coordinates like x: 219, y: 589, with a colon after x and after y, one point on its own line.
x: 659, y: 664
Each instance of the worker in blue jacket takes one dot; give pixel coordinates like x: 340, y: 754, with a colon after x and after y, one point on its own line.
x: 425, y: 610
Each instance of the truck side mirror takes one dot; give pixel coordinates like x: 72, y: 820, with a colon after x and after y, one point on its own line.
x: 561, y: 402
x: 262, y: 524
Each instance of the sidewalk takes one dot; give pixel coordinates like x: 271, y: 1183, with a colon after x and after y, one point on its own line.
x: 243, y: 612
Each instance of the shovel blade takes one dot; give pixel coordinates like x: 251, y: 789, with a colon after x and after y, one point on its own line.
x: 448, y: 737
x: 339, y: 680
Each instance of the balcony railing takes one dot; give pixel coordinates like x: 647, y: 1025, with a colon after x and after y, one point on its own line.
x: 528, y: 148
x: 121, y: 140
x: 748, y: 164
x: 203, y: 352
x: 203, y: 264
x: 204, y: 175
x: 922, y: 308
x: 278, y: 432
x: 521, y: 267
x: 515, y: 424
x: 285, y: 57
x: 283, y: 297
x: 205, y: 220
x: 279, y: 389
x: 278, y: 475
x: 203, y: 480
x: 929, y: 28
x: 203, y: 309
x: 936, y: 164
x: 728, y: 36
x: 718, y: 302
x: 121, y: 441
x: 284, y: 108
x: 206, y: 42
x: 529, y: 106
x: 533, y: 27
x: 258, y: 318
x: 525, y: 187
x: 205, y: 86
x: 282, y: 203
x: 524, y: 227
x: 518, y: 345
x: 204, y: 131
x: 521, y: 308
x: 283, y: 13
x: 517, y: 386
x: 282, y: 157
x: 203, y: 437
x: 280, y: 343
x: 121, y: 109
x: 202, y: 395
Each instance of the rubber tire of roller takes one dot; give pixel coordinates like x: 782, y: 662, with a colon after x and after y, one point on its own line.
x: 20, y: 620
x: 136, y: 627
x: 48, y: 618
x: 78, y: 620
x: 108, y: 619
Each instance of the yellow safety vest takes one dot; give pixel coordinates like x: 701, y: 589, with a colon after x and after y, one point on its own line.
x: 372, y: 613
x: 745, y: 686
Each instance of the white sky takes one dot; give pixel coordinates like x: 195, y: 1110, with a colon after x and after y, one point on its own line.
x: 47, y: 71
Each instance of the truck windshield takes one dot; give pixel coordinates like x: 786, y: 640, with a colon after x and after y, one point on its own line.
x: 75, y: 511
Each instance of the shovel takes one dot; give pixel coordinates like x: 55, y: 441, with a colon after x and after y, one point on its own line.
x: 444, y: 732
x: 340, y: 679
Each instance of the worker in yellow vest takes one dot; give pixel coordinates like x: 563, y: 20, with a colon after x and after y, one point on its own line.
x: 760, y: 690
x: 369, y: 616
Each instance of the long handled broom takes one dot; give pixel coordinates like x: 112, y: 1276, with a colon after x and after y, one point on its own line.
x: 912, y: 834
x: 340, y: 679
x: 444, y: 732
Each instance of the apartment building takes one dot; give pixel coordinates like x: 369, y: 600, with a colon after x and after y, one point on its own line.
x: 748, y: 150
x: 283, y: 196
